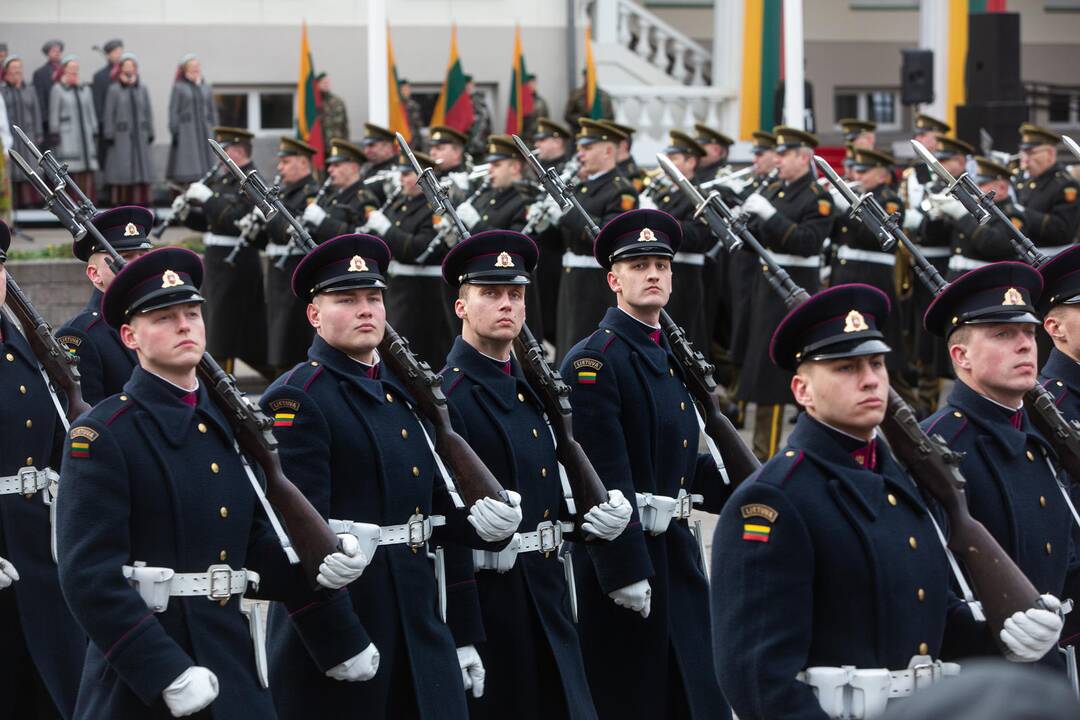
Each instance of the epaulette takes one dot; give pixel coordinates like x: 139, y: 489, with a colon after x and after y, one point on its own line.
x: 948, y: 424
x: 780, y: 467
x: 600, y: 340
x: 451, y: 378
x: 108, y: 410
x: 304, y: 374
x: 817, y: 189
x: 1056, y: 388
x: 82, y: 321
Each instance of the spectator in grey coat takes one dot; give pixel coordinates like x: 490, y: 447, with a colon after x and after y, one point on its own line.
x: 73, y: 126
x: 192, y: 117
x: 128, y: 129
x: 45, y: 76
x: 23, y: 110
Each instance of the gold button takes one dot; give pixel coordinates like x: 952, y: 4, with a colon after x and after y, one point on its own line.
x: 457, y: 369
x: 214, y: 468
x: 415, y: 471
x: 1060, y: 384
x: 389, y: 397
x: 543, y: 472
x: 1042, y: 501
x: 780, y: 194
x: 224, y: 511
x: 29, y: 461
x: 789, y: 453
x: 682, y: 480
x: 921, y: 594
x: 913, y: 542
x: 685, y: 443
x: 547, y: 513
x: 124, y: 398
x: 1030, y: 457
x: 891, y: 498
x: 671, y: 372
x: 536, y: 433
x: 923, y: 648
x: 521, y: 398
x: 22, y: 389
x: 404, y: 434
x: 314, y: 363
x: 10, y: 357
x: 1048, y: 548
x: 223, y: 555
x: 202, y: 427
x: 29, y: 423
x: 682, y: 406
x: 956, y: 413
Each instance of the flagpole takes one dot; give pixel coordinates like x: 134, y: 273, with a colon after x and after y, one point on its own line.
x: 377, y: 84
x: 794, y: 71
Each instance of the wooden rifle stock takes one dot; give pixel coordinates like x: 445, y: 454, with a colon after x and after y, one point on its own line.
x: 585, y: 483
x: 58, y: 364
x: 472, y: 477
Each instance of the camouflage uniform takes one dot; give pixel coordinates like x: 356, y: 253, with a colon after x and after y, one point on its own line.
x: 335, y: 120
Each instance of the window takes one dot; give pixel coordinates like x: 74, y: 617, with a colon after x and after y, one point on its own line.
x: 263, y: 110
x: 881, y: 106
x: 1058, y: 110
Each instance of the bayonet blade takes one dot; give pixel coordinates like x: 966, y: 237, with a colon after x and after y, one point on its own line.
x: 932, y: 163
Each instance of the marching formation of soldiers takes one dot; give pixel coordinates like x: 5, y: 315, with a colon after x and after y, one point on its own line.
x: 448, y: 545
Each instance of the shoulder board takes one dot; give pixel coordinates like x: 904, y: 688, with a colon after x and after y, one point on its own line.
x: 1055, y: 387
x: 108, y: 410
x: 81, y: 322
x: 304, y: 374
x: 780, y: 467
x: 600, y: 340
x: 949, y: 423
x: 451, y: 378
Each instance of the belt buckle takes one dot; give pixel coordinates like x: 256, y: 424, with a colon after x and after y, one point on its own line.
x: 922, y: 675
x: 27, y: 480
x: 547, y: 536
x: 684, y: 506
x: 416, y: 532
x: 220, y: 582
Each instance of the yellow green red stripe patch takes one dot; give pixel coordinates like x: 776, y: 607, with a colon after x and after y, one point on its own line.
x: 755, y: 532
x: 80, y: 449
x: 587, y: 377
x: 284, y: 419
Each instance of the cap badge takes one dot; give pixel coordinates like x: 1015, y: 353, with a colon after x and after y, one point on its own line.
x: 130, y: 230
x: 357, y: 264
x: 855, y: 322
x: 646, y: 235
x: 1013, y: 297
x: 504, y: 260
x: 170, y: 279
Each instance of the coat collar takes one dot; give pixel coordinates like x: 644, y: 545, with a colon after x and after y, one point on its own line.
x: 832, y: 451
x: 14, y: 341
x: 1060, y: 366
x: 991, y: 419
x: 345, y: 369
x: 636, y: 334
x: 94, y: 303
x: 797, y: 185
x: 486, y: 373
x: 161, y: 401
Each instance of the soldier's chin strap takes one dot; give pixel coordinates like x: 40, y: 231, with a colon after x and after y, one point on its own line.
x: 283, y: 538
x: 45, y: 376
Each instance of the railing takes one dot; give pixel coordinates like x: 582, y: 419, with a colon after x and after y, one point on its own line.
x: 625, y: 23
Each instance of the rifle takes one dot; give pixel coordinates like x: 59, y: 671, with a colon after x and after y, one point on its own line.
x: 312, y: 537
x: 717, y: 429
x: 470, y: 473
x: 585, y: 483
x: 1062, y: 434
x: 175, y: 217
x: 999, y: 584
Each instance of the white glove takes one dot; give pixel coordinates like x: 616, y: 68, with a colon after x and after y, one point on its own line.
x: 607, y: 520
x: 196, y: 688
x: 645, y: 202
x: 314, y: 215
x: 461, y: 179
x: 377, y: 222
x: 244, y: 225
x: 495, y: 520
x: 839, y: 200
x: 953, y: 208
x: 912, y: 219
x: 180, y: 207
x: 358, y: 668
x: 198, y: 192
x: 636, y: 597
x: 757, y: 205
x: 735, y: 185
x: 340, y: 568
x: 1031, y: 634
x: 472, y: 669
x: 537, y: 217
x: 468, y: 214
x: 8, y: 573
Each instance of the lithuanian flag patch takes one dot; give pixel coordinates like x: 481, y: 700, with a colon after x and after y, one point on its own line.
x: 284, y: 419
x: 586, y: 377
x: 284, y: 412
x: 81, y: 437
x: 586, y: 369
x: 756, y: 533
x: 80, y: 449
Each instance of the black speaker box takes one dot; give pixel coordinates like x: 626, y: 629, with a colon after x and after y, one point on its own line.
x: 1001, y: 119
x: 993, y: 59
x: 916, y: 76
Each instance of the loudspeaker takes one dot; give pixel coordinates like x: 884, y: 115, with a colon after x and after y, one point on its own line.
x: 1001, y: 119
x: 916, y: 76
x: 993, y: 60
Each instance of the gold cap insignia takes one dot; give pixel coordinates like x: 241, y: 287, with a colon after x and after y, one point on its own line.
x: 357, y: 264
x: 1013, y: 297
x: 504, y: 260
x: 130, y: 230
x: 170, y: 279
x: 646, y: 235
x: 854, y: 322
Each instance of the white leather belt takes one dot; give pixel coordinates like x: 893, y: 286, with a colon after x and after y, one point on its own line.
x: 657, y: 511
x: 213, y: 240
x: 853, y: 693
x: 573, y: 260
x: 157, y: 584
x: 871, y: 256
x: 797, y: 260
x: 27, y: 481
x: 959, y: 263
x: 401, y: 269
x: 413, y: 533
x: 689, y: 258
x: 547, y: 538
x: 278, y: 250
x: 938, y: 251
